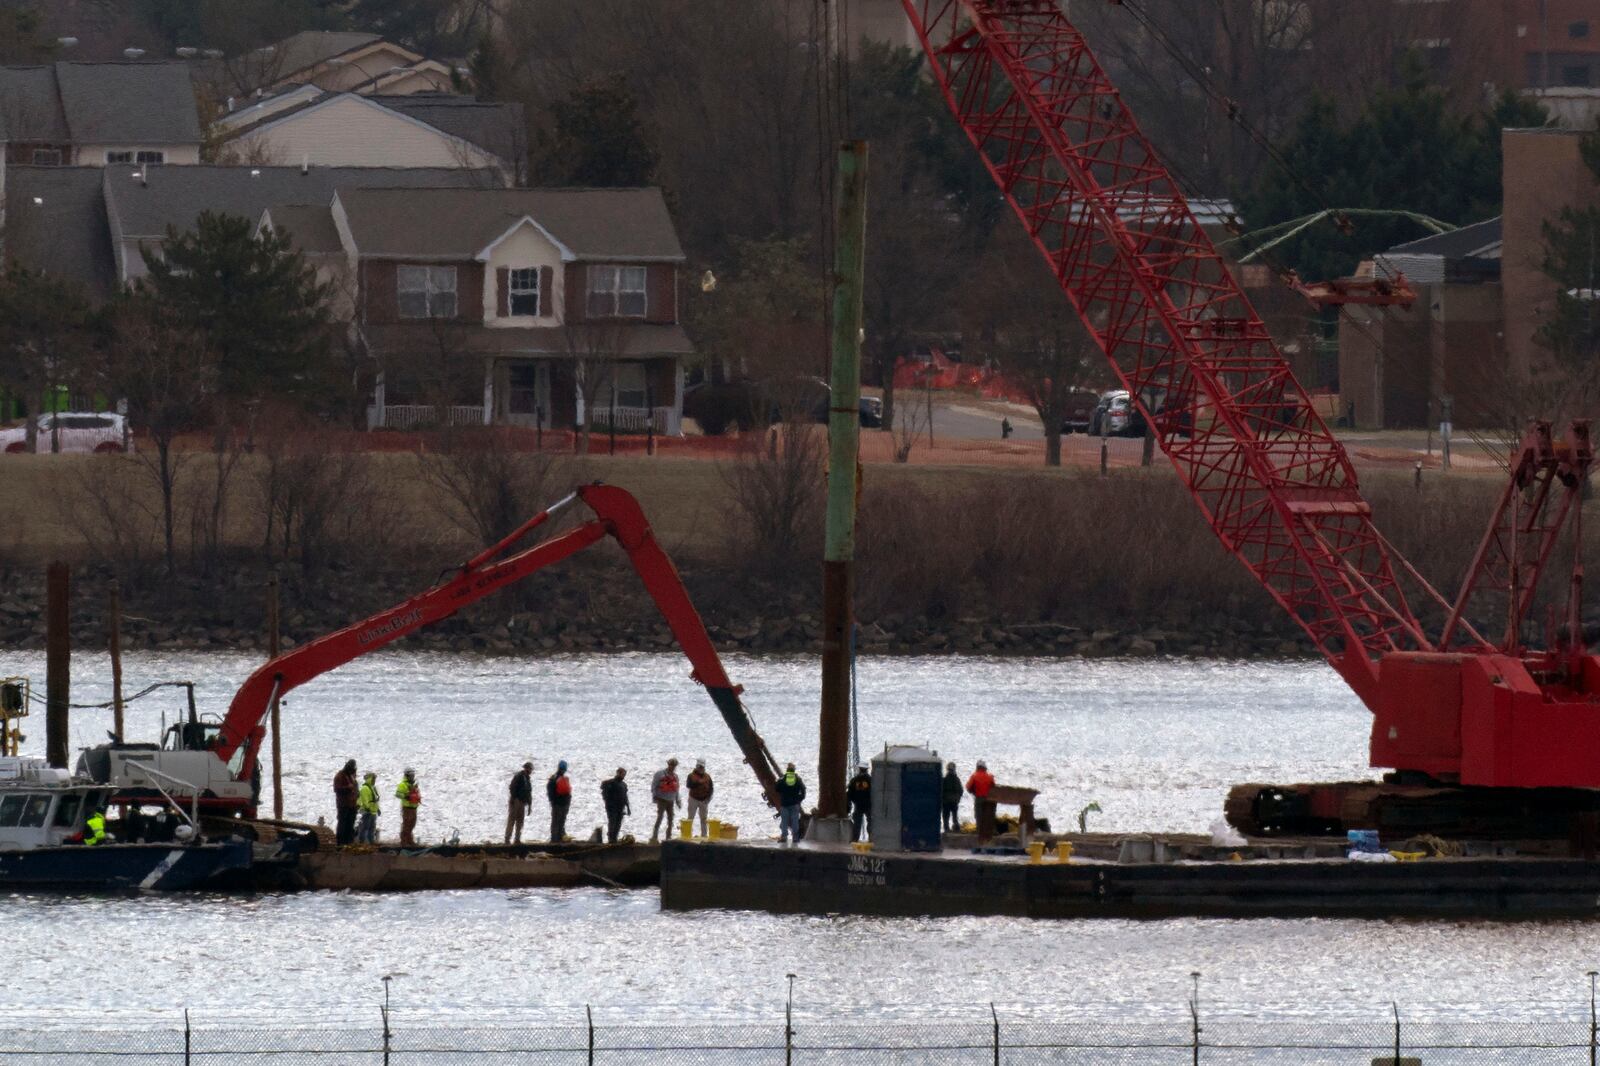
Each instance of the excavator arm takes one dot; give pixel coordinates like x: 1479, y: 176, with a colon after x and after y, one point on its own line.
x: 617, y: 514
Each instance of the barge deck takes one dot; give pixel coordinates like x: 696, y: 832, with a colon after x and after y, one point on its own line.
x: 834, y: 879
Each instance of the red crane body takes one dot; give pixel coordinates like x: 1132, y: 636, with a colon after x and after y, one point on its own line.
x: 617, y: 514
x: 1277, y: 487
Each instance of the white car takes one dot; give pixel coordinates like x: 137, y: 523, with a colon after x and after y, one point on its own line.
x: 79, y: 431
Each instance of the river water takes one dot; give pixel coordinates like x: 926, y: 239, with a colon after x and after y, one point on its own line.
x: 1155, y: 743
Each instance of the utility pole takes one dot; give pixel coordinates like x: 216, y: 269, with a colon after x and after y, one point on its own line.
x: 844, y: 441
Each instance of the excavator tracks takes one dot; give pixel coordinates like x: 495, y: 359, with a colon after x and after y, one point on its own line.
x: 1452, y: 812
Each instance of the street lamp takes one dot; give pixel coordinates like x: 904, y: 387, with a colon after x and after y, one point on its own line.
x: 1194, y: 995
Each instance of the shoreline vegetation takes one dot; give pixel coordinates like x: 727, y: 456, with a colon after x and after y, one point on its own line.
x: 950, y: 560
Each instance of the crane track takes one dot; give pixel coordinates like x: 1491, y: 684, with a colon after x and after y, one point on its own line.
x: 1444, y: 810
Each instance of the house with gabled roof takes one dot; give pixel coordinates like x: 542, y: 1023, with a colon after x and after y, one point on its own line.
x: 533, y: 307
x: 337, y: 61
x: 352, y: 129
x: 143, y: 203
x: 92, y: 114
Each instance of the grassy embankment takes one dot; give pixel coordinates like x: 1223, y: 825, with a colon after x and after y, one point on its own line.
x: 947, y: 554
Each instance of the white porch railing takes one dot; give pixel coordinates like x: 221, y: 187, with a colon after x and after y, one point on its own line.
x: 411, y: 416
x: 633, y: 419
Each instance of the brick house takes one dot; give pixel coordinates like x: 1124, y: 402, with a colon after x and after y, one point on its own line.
x: 533, y: 307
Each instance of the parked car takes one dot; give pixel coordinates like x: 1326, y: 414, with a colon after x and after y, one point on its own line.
x: 1116, y: 415
x: 76, y: 431
x: 1080, y: 407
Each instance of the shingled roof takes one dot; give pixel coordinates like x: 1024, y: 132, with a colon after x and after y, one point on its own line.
x: 610, y: 224
x: 99, y: 103
x: 143, y: 202
x: 56, y: 224
x: 307, y: 49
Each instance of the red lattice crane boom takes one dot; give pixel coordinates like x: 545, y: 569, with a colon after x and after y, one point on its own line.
x: 1277, y: 487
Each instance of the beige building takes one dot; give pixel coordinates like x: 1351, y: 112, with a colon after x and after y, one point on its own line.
x: 348, y: 129
x: 342, y: 62
x: 1544, y: 173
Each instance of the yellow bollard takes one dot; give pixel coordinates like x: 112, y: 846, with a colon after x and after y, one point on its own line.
x: 713, y: 829
x: 1036, y: 852
x: 686, y: 828
x: 1063, y: 852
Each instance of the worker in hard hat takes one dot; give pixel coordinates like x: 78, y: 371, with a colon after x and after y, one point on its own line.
x: 980, y: 784
x: 519, y: 801
x: 367, y: 805
x: 950, y: 799
x: 700, y: 787
x: 410, y: 797
x: 859, y: 795
x: 664, y: 790
x: 558, y: 790
x: 791, y: 793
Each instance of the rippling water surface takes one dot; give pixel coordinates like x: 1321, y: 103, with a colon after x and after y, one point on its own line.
x: 1156, y: 744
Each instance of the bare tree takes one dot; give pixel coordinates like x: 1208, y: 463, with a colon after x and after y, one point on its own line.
x: 484, y: 487
x: 169, y: 375
x: 593, y: 349
x: 776, y: 489
x: 1015, y: 315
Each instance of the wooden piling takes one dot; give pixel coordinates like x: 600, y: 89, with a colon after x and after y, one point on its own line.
x: 273, y: 641
x: 115, y: 609
x: 58, y: 662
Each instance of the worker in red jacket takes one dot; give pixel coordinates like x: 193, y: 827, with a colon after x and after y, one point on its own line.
x: 980, y: 784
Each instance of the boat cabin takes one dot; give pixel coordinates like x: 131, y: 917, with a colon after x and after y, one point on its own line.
x: 41, y: 806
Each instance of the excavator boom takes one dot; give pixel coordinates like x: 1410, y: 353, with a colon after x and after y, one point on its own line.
x: 617, y: 514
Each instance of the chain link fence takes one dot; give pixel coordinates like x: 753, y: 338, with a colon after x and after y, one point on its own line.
x: 1002, y: 1040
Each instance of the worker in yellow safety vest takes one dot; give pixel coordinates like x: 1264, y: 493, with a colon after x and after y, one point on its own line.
x: 410, y: 797
x: 94, y: 829
x: 367, y: 804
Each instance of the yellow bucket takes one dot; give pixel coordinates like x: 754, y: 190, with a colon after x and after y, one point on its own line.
x: 713, y: 829
x: 730, y: 832
x: 686, y: 828
x: 1064, y: 852
x: 862, y: 846
x: 1036, y: 852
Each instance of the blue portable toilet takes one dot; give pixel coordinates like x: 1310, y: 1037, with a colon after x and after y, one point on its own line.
x: 905, y: 799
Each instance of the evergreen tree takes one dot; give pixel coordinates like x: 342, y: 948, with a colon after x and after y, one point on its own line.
x: 254, y: 300
x: 1572, y: 261
x: 600, y: 139
x: 1404, y: 151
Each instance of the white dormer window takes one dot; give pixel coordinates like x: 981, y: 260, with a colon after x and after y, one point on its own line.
x: 525, y: 291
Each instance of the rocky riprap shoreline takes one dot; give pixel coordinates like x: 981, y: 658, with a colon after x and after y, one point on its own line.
x: 595, y: 612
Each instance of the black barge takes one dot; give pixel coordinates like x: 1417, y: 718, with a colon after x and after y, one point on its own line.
x: 834, y: 879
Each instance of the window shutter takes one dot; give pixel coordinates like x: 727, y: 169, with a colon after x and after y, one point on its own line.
x: 547, y: 292
x: 502, y: 285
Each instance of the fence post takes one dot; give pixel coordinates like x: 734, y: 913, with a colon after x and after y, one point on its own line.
x: 788, y: 1033
x: 1194, y: 1021
x: 385, y: 1011
x: 996, y: 1019
x: 1593, y: 1028
x: 590, y: 1012
x: 188, y: 1040
x: 1396, y: 1008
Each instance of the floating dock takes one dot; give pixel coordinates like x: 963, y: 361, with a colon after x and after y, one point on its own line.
x: 834, y: 879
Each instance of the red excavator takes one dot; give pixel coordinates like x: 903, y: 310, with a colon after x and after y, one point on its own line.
x: 219, y: 762
x: 1484, y: 737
